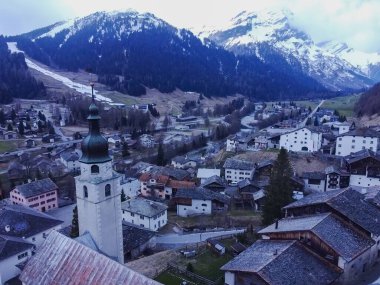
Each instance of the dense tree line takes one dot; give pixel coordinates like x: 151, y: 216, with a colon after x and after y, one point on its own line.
x: 164, y: 58
x: 15, y: 79
x: 369, y: 102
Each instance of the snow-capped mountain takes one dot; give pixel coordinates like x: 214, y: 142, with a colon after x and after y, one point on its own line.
x: 270, y: 35
x: 130, y: 51
x: 368, y: 63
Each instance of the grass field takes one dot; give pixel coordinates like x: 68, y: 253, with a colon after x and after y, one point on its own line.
x: 6, y: 146
x: 344, y: 105
x: 169, y: 278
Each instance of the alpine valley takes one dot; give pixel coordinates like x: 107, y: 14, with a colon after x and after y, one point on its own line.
x: 260, y: 55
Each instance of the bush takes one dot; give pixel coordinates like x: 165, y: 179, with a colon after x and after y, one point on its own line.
x: 190, y: 267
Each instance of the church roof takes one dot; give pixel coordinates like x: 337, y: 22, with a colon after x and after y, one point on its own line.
x: 94, y: 146
x: 61, y: 260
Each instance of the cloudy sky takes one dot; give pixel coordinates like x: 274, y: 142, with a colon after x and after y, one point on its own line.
x: 355, y: 22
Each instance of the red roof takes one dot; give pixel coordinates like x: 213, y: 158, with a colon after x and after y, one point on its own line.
x: 61, y: 260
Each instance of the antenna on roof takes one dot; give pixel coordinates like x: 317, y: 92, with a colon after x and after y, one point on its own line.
x: 92, y: 91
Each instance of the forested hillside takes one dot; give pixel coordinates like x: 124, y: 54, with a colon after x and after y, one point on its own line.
x: 369, y: 102
x: 15, y: 79
x: 130, y: 51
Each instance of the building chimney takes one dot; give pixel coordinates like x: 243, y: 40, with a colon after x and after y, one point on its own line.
x: 275, y: 252
x: 276, y: 225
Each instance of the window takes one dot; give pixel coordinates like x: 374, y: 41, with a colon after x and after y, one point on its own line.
x: 204, y: 205
x: 85, y: 192
x: 132, y: 214
x: 22, y: 255
x: 108, y: 190
x: 141, y: 217
x: 94, y: 169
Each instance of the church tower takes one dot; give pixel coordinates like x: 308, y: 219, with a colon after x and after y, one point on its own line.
x: 98, y: 192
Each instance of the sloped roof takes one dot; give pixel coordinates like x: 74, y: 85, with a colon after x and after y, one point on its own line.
x: 363, y: 132
x: 61, y: 260
x: 24, y: 222
x: 283, y: 262
x: 314, y: 175
x: 201, y: 193
x: 215, y: 179
x: 134, y: 236
x: 329, y: 229
x: 36, y: 187
x: 238, y: 164
x: 180, y: 184
x: 348, y: 203
x: 143, y: 207
x: 70, y: 156
x: 10, y: 246
x: 362, y: 154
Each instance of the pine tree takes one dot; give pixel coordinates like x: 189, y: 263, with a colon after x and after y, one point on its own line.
x: 160, y: 155
x: 21, y: 129
x: 279, y: 191
x: 74, y: 224
x: 122, y: 196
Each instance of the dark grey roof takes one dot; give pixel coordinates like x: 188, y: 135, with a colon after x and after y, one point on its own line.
x: 238, y: 164
x: 362, y: 154
x: 201, y: 193
x: 182, y: 159
x: 70, y: 156
x: 174, y: 173
x: 333, y: 169
x: 283, y: 262
x: 24, y: 222
x: 36, y: 187
x: 133, y: 236
x: 317, y: 198
x: 348, y: 203
x: 215, y: 179
x: 143, y: 207
x: 329, y: 229
x: 364, y: 132
x: 314, y: 175
x: 268, y: 162
x: 10, y: 246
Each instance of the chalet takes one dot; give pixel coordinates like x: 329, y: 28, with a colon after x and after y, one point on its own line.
x: 136, y: 240
x: 348, y: 205
x: 274, y: 141
x: 16, y: 170
x: 30, y: 143
x: 199, y: 201
x: 173, y: 186
x: 238, y: 170
x: 301, y: 140
x: 41, y: 195
x: 204, y: 173
x: 215, y: 183
x: 10, y: 135
x: 153, y: 185
x: 145, y: 213
x: 357, y: 140
x: 314, y: 181
x: 336, y: 178
x: 28, y: 224
x: 183, y: 162
x: 67, y: 252
x: 284, y: 262
x: 70, y: 160
x: 13, y: 253
x: 239, y: 142
x: 324, y: 233
x: 364, y: 168
x: 246, y: 194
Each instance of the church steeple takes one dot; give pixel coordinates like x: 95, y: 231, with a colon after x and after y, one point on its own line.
x: 94, y: 146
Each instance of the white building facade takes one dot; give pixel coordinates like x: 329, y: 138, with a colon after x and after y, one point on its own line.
x: 357, y: 140
x: 301, y: 140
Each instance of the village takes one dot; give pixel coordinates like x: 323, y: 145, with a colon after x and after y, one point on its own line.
x: 191, y: 190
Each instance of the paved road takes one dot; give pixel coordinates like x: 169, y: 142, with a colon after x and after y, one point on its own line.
x: 193, y: 238
x: 312, y: 113
x: 64, y: 214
